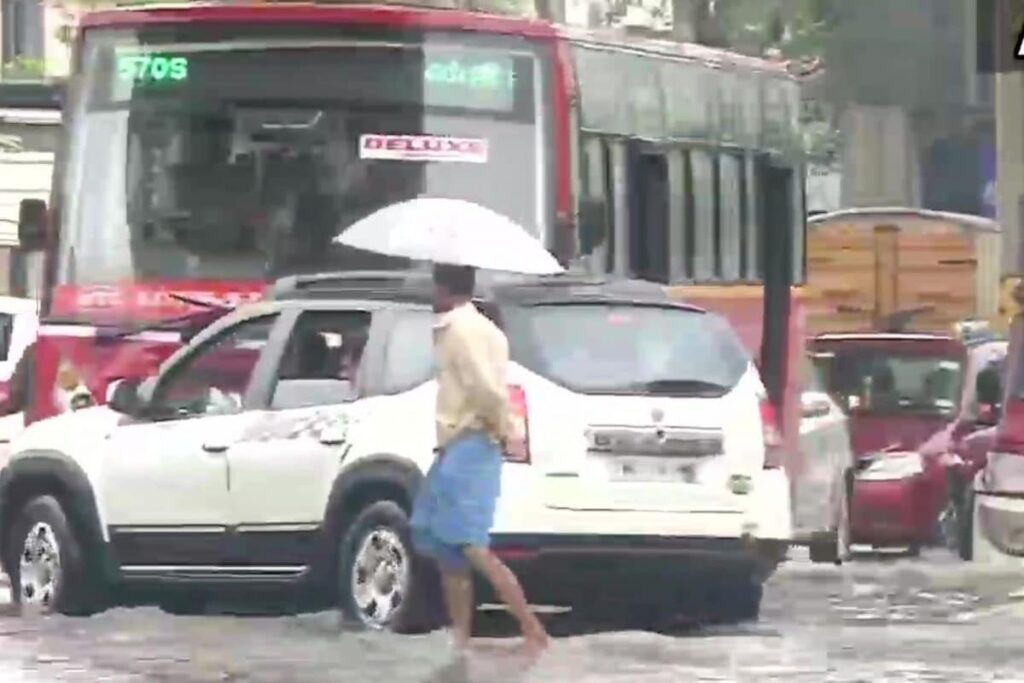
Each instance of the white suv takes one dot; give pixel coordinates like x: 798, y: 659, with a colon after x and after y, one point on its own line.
x: 259, y: 456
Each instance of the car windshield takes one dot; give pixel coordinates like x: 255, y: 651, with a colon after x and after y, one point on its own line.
x: 241, y: 153
x: 627, y: 349
x: 883, y: 382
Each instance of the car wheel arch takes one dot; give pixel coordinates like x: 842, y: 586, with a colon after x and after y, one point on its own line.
x: 47, y: 472
x: 372, y: 478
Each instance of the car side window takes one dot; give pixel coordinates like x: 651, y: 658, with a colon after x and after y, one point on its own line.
x: 6, y: 332
x: 322, y: 361
x: 214, y: 379
x: 409, y: 355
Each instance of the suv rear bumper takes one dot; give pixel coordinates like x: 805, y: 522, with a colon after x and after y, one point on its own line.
x: 765, y: 513
x: 563, y: 569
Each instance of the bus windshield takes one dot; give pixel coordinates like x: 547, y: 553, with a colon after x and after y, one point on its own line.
x: 240, y: 155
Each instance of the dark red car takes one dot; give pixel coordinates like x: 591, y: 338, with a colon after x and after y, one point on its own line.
x: 914, y: 422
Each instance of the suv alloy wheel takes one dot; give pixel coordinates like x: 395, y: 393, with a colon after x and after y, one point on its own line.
x: 382, y: 583
x: 46, y: 562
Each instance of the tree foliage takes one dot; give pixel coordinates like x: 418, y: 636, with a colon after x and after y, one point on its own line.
x: 795, y: 29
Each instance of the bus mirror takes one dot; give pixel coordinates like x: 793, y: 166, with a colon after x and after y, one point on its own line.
x: 32, y: 224
x: 592, y: 224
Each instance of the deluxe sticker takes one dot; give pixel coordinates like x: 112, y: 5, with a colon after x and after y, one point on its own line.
x: 423, y: 148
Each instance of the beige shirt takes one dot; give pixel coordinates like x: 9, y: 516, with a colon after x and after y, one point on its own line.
x: 472, y: 365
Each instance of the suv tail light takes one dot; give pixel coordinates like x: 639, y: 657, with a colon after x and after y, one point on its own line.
x: 1009, y: 436
x: 520, y: 423
x: 772, y: 436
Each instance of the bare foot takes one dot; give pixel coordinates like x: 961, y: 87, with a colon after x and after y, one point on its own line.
x: 536, y: 641
x: 459, y: 641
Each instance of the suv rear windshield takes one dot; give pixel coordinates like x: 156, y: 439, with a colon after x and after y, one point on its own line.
x: 627, y: 349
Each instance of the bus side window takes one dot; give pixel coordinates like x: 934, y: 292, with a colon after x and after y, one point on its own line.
x: 649, y: 216
x: 730, y: 223
x: 704, y: 225
x: 595, y: 202
x: 751, y: 226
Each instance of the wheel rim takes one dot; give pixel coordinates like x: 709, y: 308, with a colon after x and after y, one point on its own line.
x: 39, y: 568
x: 380, y: 577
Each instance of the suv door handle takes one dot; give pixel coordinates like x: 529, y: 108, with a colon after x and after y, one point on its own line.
x: 215, y: 448
x: 333, y: 436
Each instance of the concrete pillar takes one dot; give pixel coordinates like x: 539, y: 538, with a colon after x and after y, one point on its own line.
x: 1010, y: 167
x: 879, y: 157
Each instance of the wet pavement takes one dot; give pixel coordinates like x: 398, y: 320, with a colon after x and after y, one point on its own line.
x: 930, y: 619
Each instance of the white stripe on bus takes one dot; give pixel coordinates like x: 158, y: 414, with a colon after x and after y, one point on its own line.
x: 87, y: 331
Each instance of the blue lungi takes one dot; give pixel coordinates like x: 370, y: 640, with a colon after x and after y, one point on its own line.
x: 455, y: 506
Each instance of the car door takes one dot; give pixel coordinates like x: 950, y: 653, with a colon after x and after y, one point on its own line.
x: 283, y: 470
x: 164, y: 487
x: 825, y: 454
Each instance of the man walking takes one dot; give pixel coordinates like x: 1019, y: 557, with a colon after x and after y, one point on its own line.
x: 453, y: 514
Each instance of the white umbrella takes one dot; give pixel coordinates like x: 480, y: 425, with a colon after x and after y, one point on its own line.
x: 451, y: 231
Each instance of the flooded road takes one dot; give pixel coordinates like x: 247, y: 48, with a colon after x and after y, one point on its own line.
x: 930, y: 619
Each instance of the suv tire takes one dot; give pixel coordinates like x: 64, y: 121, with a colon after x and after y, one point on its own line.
x: 43, y: 542
x: 398, y: 587
x: 735, y: 601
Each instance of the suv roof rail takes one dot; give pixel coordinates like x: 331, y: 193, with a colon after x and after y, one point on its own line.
x: 388, y: 284
x: 415, y: 286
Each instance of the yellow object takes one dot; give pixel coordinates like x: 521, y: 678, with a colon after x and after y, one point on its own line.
x: 67, y: 376
x: 472, y: 389
x: 1010, y: 303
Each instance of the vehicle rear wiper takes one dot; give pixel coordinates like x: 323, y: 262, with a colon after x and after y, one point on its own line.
x: 685, y: 387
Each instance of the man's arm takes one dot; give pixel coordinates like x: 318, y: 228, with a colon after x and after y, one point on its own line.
x: 483, y: 382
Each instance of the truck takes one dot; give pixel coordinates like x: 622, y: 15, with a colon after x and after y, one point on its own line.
x: 877, y: 269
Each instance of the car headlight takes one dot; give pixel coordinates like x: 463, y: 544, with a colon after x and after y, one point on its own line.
x: 889, y: 466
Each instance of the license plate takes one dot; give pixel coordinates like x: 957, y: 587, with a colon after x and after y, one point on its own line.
x: 650, y: 470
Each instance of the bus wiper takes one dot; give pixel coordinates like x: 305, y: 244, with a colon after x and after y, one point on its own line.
x: 201, y: 303
x: 685, y: 387
x: 184, y: 324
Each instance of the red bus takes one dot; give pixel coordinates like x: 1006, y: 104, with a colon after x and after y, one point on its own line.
x: 211, y: 149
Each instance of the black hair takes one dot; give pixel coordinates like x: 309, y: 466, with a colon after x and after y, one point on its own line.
x: 458, y: 280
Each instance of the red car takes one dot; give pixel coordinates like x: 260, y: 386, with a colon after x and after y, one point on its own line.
x: 914, y: 423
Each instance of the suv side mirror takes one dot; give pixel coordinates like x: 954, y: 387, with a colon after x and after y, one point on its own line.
x: 123, y: 396
x: 32, y: 220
